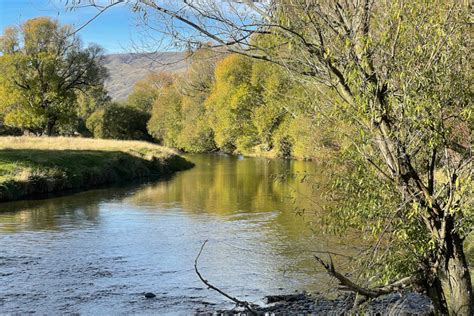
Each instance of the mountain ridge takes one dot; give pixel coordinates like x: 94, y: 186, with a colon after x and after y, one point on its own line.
x: 128, y: 68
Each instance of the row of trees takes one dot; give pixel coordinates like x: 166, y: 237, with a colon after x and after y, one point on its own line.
x: 231, y: 103
x: 50, y: 84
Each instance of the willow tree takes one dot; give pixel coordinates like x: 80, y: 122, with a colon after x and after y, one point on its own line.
x: 195, y: 86
x: 398, y: 73
x: 44, y: 68
x: 231, y: 102
x: 147, y: 90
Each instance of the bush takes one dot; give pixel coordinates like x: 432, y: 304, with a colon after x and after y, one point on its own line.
x: 119, y: 122
x: 8, y: 130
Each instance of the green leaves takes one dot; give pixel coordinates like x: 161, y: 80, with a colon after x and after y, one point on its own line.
x: 44, y: 69
x: 116, y: 121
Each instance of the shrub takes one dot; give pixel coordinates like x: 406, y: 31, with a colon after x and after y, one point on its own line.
x: 119, y: 122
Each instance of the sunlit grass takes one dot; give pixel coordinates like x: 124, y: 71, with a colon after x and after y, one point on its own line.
x: 77, y: 143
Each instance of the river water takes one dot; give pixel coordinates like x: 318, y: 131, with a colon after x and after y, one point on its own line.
x: 97, y: 252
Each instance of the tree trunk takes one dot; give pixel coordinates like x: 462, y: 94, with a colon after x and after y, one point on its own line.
x: 436, y: 294
x: 451, y: 292
x: 50, y: 126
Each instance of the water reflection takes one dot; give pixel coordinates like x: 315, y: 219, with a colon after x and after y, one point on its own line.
x: 224, y: 185
x: 73, y: 210
x: 97, y: 251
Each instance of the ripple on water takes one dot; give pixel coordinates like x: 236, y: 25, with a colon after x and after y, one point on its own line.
x: 98, y: 252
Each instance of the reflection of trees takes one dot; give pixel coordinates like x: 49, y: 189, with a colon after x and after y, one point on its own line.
x: 225, y: 185
x: 77, y: 210
x: 221, y: 185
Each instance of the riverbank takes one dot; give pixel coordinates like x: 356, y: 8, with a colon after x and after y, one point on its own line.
x: 39, y: 165
x: 304, y: 304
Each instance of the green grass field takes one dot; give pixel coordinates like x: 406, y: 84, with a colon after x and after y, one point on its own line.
x: 38, y: 165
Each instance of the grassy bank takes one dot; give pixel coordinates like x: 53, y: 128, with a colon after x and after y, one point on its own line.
x: 39, y: 165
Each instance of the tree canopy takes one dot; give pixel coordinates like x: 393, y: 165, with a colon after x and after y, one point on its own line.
x: 44, y: 68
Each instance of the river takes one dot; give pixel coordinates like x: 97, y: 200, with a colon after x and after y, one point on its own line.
x: 97, y: 252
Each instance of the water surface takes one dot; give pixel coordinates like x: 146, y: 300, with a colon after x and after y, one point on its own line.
x: 97, y: 252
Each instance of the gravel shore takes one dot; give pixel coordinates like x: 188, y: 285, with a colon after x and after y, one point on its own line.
x: 304, y: 304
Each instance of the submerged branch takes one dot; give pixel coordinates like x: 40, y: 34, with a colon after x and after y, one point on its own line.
x: 238, y: 302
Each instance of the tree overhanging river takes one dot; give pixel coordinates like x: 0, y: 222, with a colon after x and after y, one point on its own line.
x: 99, y: 251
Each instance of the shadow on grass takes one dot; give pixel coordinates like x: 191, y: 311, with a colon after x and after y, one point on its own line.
x: 33, y: 172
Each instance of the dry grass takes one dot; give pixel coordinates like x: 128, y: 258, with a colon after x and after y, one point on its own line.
x: 77, y: 143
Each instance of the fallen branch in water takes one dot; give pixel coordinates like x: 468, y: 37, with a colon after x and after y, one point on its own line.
x: 347, y: 284
x: 238, y: 302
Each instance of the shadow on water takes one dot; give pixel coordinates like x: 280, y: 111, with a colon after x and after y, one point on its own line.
x: 45, y: 211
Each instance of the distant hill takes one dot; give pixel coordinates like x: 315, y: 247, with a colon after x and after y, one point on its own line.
x: 126, y: 69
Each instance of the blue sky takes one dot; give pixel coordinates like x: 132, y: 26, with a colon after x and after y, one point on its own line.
x: 113, y: 30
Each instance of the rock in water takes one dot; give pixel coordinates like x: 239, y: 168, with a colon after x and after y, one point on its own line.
x: 150, y: 295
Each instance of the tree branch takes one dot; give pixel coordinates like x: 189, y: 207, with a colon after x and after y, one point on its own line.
x: 347, y: 284
x: 238, y: 302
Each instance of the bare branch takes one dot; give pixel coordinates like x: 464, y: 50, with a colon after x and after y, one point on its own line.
x: 238, y: 302
x: 347, y: 284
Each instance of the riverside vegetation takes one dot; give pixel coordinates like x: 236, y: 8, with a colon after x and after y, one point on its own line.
x: 51, y: 85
